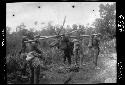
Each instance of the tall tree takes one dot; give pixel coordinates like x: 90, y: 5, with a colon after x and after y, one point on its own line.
x: 106, y: 23
x: 21, y: 26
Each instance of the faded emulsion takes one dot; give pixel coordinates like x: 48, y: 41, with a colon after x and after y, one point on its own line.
x: 61, y: 43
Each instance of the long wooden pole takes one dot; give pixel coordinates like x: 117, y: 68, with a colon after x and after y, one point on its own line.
x: 47, y: 37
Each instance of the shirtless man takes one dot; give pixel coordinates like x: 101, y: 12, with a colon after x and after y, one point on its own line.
x: 95, y: 47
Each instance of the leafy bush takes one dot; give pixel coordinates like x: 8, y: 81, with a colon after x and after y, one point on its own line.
x: 106, y: 24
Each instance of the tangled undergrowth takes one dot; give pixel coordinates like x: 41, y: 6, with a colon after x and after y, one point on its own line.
x: 57, y: 72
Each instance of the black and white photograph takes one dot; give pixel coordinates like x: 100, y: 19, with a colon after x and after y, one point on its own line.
x: 61, y: 42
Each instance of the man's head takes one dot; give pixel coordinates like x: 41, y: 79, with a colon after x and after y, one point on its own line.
x: 98, y: 35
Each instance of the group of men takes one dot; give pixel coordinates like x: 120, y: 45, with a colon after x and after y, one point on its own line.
x: 73, y: 48
x: 66, y: 45
x: 69, y: 48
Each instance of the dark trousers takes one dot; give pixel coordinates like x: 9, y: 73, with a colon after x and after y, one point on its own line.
x: 24, y: 70
x: 35, y: 72
x: 96, y: 51
x: 67, y: 55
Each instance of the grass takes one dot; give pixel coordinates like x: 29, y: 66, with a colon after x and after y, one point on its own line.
x: 88, y: 74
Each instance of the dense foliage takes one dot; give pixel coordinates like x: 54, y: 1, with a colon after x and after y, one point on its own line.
x: 106, y: 23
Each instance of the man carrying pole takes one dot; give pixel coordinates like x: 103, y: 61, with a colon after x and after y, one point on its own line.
x: 34, y: 59
x: 65, y: 46
x: 95, y: 47
x: 35, y: 62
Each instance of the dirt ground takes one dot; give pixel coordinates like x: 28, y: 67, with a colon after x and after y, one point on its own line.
x: 88, y: 73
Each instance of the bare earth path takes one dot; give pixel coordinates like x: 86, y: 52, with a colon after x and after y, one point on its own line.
x: 88, y: 74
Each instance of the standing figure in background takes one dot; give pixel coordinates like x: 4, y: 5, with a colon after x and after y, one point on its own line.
x: 65, y: 46
x: 95, y: 48
x: 76, y: 51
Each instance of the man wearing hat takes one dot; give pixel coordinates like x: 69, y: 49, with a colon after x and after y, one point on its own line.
x: 65, y: 46
x: 95, y: 47
x: 35, y: 61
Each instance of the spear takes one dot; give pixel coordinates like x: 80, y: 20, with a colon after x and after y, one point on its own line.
x: 62, y: 25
